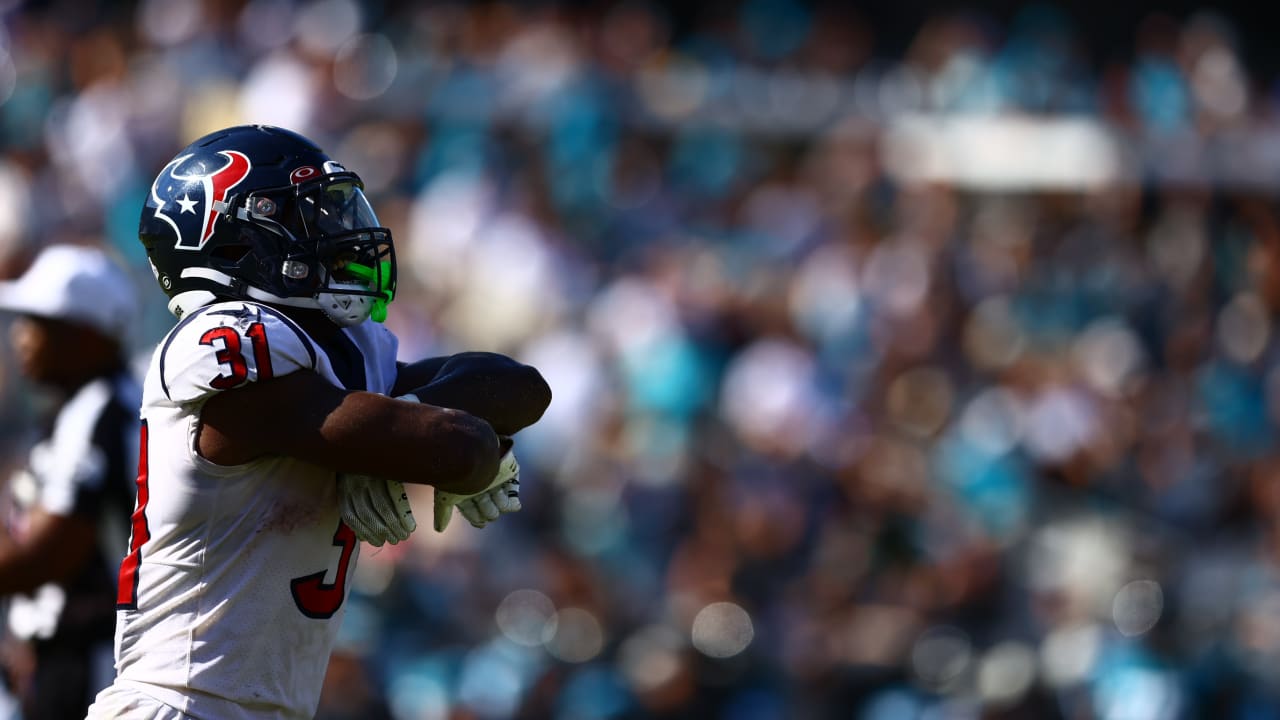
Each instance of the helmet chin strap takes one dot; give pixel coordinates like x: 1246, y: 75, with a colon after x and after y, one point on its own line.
x: 344, y: 309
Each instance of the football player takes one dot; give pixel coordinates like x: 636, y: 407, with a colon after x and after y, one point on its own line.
x: 277, y: 428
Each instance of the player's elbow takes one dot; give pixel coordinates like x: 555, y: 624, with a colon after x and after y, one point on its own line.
x: 534, y: 398
x: 471, y: 461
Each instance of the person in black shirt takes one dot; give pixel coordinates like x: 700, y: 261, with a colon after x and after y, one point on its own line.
x: 70, y: 504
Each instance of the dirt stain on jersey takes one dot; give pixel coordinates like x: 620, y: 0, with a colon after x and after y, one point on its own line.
x: 285, y: 516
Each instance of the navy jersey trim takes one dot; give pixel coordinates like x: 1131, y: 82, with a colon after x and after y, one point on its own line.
x: 344, y: 355
x: 348, y: 362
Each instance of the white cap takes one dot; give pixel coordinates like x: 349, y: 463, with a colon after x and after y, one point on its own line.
x: 75, y: 283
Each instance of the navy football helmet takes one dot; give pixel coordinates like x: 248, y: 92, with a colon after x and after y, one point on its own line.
x: 260, y: 213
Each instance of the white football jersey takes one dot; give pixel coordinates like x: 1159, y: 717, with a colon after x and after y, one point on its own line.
x: 233, y: 590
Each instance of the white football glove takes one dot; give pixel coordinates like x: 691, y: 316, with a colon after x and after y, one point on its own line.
x: 376, y: 510
x: 501, y: 496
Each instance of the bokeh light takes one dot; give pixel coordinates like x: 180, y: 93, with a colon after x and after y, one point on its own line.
x: 8, y: 75
x: 651, y: 657
x: 1069, y: 653
x: 578, y: 635
x: 1138, y: 606
x: 941, y: 657
x: 722, y: 630
x: 1005, y: 673
x: 323, y: 26
x: 527, y: 617
x: 169, y: 23
x: 266, y: 24
x: 365, y: 66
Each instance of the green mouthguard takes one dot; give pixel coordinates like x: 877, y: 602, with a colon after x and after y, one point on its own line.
x: 375, y: 277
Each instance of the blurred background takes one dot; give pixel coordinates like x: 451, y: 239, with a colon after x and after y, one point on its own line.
x: 909, y: 362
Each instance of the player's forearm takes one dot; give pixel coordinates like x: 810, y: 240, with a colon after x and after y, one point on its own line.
x: 304, y: 416
x: 509, y: 395
x: 410, y: 442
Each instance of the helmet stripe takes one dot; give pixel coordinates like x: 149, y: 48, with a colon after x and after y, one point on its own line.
x: 217, y: 185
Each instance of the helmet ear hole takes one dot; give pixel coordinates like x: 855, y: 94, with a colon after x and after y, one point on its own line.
x: 231, y: 253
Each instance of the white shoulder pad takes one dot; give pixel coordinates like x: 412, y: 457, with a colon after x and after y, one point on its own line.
x: 228, y: 344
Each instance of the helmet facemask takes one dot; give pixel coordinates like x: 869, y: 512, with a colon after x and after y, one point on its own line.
x: 358, y: 281
x: 336, y: 257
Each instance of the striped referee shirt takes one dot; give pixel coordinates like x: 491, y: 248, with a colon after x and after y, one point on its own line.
x: 86, y: 465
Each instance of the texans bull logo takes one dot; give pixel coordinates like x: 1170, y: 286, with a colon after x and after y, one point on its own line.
x: 186, y: 199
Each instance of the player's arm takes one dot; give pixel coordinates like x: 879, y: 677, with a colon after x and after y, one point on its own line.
x: 54, y: 549
x: 302, y: 415
x: 412, y: 375
x: 509, y: 395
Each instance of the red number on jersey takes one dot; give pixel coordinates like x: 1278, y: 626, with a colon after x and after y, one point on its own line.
x: 316, y: 598
x: 127, y: 588
x: 257, y: 333
x: 231, y: 356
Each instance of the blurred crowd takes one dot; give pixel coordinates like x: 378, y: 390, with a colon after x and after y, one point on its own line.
x: 825, y: 443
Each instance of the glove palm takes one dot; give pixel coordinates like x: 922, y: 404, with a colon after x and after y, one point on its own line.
x: 376, y: 510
